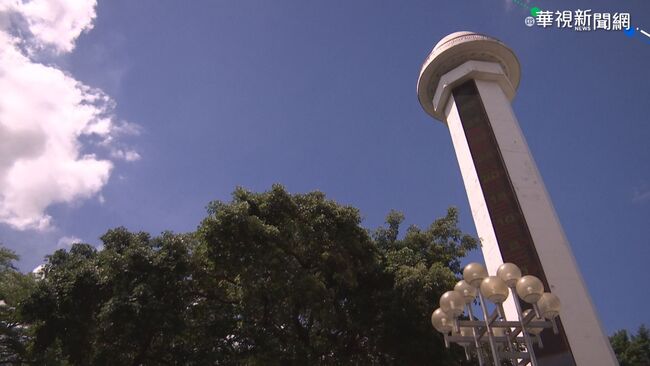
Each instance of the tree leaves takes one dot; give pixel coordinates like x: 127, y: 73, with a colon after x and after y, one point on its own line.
x: 268, y: 278
x: 14, y: 287
x: 634, y: 350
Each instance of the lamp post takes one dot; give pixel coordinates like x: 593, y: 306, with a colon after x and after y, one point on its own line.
x: 507, y: 339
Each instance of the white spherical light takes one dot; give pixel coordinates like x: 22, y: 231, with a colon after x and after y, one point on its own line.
x: 441, y: 321
x: 494, y: 289
x: 530, y: 289
x: 549, y: 305
x: 468, y: 291
x: 509, y: 273
x: 474, y: 273
x: 452, y: 303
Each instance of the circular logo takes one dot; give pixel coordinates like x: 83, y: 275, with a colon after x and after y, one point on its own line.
x: 530, y: 21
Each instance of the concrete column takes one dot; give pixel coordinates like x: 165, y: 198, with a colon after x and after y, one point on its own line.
x: 468, y: 82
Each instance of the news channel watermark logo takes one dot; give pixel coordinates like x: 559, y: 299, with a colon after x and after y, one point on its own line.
x: 579, y: 20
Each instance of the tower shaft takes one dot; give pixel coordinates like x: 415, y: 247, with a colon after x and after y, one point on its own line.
x: 468, y: 82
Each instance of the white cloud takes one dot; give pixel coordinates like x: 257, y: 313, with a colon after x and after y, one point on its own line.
x: 128, y: 155
x: 66, y: 242
x: 53, y: 23
x: 44, y: 112
x: 641, y: 194
x: 125, y: 128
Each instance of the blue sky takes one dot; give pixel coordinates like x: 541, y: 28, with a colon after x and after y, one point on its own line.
x: 193, y: 98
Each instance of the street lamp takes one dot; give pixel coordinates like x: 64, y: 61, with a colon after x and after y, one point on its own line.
x: 507, y: 340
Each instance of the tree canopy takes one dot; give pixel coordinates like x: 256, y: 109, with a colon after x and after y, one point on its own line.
x: 14, y: 288
x: 632, y: 350
x: 268, y: 278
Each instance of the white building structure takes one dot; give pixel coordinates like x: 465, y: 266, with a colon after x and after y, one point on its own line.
x: 467, y: 82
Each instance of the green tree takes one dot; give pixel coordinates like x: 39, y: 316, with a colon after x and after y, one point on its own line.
x: 634, y: 350
x: 422, y: 266
x: 309, y: 285
x: 301, y: 275
x: 267, y: 279
x: 14, y: 287
x: 124, y: 305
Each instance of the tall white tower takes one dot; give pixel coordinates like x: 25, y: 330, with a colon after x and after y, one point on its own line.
x: 467, y: 82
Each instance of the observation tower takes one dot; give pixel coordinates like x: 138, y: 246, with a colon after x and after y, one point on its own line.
x: 468, y: 82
